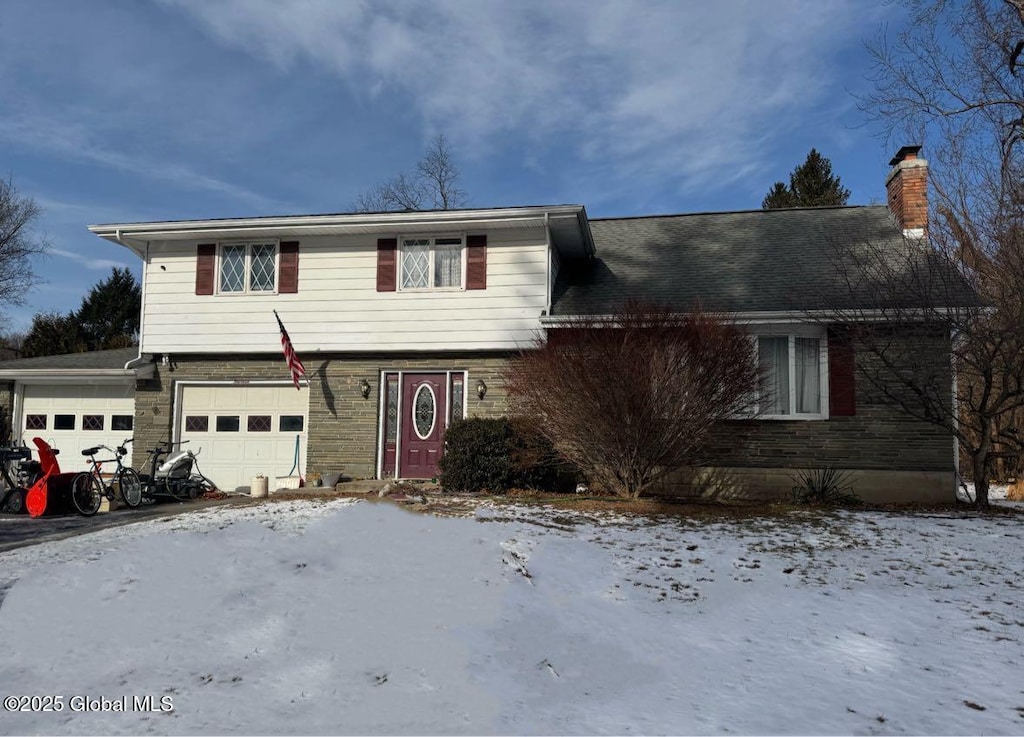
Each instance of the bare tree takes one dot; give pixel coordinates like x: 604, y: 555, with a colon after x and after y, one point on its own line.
x: 631, y: 399
x: 18, y: 214
x: 432, y: 185
x: 955, y: 77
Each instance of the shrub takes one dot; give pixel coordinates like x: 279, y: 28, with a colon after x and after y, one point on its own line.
x: 632, y: 398
x: 823, y: 486
x: 498, y: 455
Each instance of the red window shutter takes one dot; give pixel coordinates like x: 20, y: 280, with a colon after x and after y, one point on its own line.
x: 476, y: 262
x: 289, y: 279
x: 206, y: 266
x: 842, y: 389
x: 387, y: 264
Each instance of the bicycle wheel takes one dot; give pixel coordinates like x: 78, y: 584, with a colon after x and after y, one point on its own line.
x: 86, y: 494
x: 130, y: 484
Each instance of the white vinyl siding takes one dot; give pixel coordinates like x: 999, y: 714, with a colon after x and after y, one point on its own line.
x: 338, y: 307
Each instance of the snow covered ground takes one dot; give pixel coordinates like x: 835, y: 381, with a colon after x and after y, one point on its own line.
x: 306, y: 617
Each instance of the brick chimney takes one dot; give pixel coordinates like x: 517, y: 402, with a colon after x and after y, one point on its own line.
x: 907, y: 190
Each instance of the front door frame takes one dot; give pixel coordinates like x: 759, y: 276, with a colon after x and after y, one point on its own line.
x: 382, y: 409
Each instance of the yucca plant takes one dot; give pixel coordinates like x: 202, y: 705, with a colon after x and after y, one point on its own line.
x: 824, y: 486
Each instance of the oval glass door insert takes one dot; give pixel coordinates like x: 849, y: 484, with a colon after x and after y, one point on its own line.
x: 424, y: 411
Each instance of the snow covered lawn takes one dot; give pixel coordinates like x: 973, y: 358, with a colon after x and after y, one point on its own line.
x: 306, y: 617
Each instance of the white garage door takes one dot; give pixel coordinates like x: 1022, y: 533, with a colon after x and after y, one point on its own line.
x: 72, y: 417
x: 242, y: 431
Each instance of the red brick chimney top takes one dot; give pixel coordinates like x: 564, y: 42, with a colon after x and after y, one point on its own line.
x: 907, y: 192
x: 907, y: 152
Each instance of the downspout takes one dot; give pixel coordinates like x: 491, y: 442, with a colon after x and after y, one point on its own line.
x: 138, y: 360
x: 956, y: 417
x: 547, y: 238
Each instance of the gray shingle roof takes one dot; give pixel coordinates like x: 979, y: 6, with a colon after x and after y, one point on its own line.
x: 752, y: 261
x: 112, y: 359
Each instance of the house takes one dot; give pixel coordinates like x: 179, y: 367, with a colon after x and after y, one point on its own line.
x: 404, y: 321
x: 74, y: 401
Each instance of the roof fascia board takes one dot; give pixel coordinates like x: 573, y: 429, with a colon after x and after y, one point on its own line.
x: 141, y: 232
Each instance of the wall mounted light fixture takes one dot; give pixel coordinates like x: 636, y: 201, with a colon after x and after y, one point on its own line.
x: 364, y: 388
x: 481, y: 389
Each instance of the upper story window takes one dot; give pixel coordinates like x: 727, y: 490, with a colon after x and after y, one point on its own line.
x: 794, y: 376
x: 431, y: 263
x: 247, y: 267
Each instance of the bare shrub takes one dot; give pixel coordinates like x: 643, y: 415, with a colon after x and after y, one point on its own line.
x: 631, y: 397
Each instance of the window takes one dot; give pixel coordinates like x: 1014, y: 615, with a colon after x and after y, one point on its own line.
x: 35, y: 422
x: 227, y: 423
x: 455, y: 409
x: 431, y: 263
x: 792, y: 380
x: 92, y: 422
x: 122, y: 422
x: 290, y: 423
x: 258, y: 423
x: 197, y: 423
x: 248, y: 267
x: 63, y: 422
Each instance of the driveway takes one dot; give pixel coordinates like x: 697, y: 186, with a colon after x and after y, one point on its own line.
x: 19, y: 530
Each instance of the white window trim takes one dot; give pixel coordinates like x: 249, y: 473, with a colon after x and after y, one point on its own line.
x: 430, y: 273
x: 792, y: 332
x: 248, y: 265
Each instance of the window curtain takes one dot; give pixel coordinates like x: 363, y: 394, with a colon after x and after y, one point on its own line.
x: 447, y: 266
x: 774, y: 356
x: 807, y: 375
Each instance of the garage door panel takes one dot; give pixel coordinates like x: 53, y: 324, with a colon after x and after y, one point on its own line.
x: 100, y: 401
x: 231, y: 458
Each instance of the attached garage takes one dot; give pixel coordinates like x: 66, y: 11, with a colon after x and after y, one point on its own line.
x: 241, y: 430
x: 74, y: 401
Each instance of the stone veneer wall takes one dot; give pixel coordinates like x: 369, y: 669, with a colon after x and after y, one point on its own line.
x: 7, y: 432
x: 880, y: 444
x: 342, y: 426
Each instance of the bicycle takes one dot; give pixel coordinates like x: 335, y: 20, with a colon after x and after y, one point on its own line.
x: 88, y: 488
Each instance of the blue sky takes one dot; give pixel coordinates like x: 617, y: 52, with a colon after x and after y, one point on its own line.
x: 124, y: 110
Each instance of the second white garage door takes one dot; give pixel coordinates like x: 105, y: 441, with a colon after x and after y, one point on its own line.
x: 242, y: 431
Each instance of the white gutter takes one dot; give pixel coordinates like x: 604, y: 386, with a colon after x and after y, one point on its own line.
x: 768, y: 316
x: 120, y: 231
x: 547, y: 271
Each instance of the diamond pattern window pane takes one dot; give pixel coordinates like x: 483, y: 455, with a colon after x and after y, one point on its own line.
x: 423, y: 416
x: 392, y: 421
x: 416, y: 264
x: 258, y: 423
x: 261, y: 271
x: 232, y: 269
x: 35, y: 422
x: 92, y: 422
x: 197, y: 423
x: 456, y: 407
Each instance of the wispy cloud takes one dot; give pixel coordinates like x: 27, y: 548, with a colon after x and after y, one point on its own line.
x: 93, y: 264
x: 682, y: 93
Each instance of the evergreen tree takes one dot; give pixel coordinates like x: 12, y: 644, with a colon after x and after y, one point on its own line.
x: 109, y: 315
x: 810, y: 185
x: 52, y: 334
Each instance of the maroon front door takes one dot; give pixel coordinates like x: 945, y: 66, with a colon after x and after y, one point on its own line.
x: 424, y: 412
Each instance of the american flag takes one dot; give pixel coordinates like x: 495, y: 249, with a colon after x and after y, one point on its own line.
x: 294, y: 364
